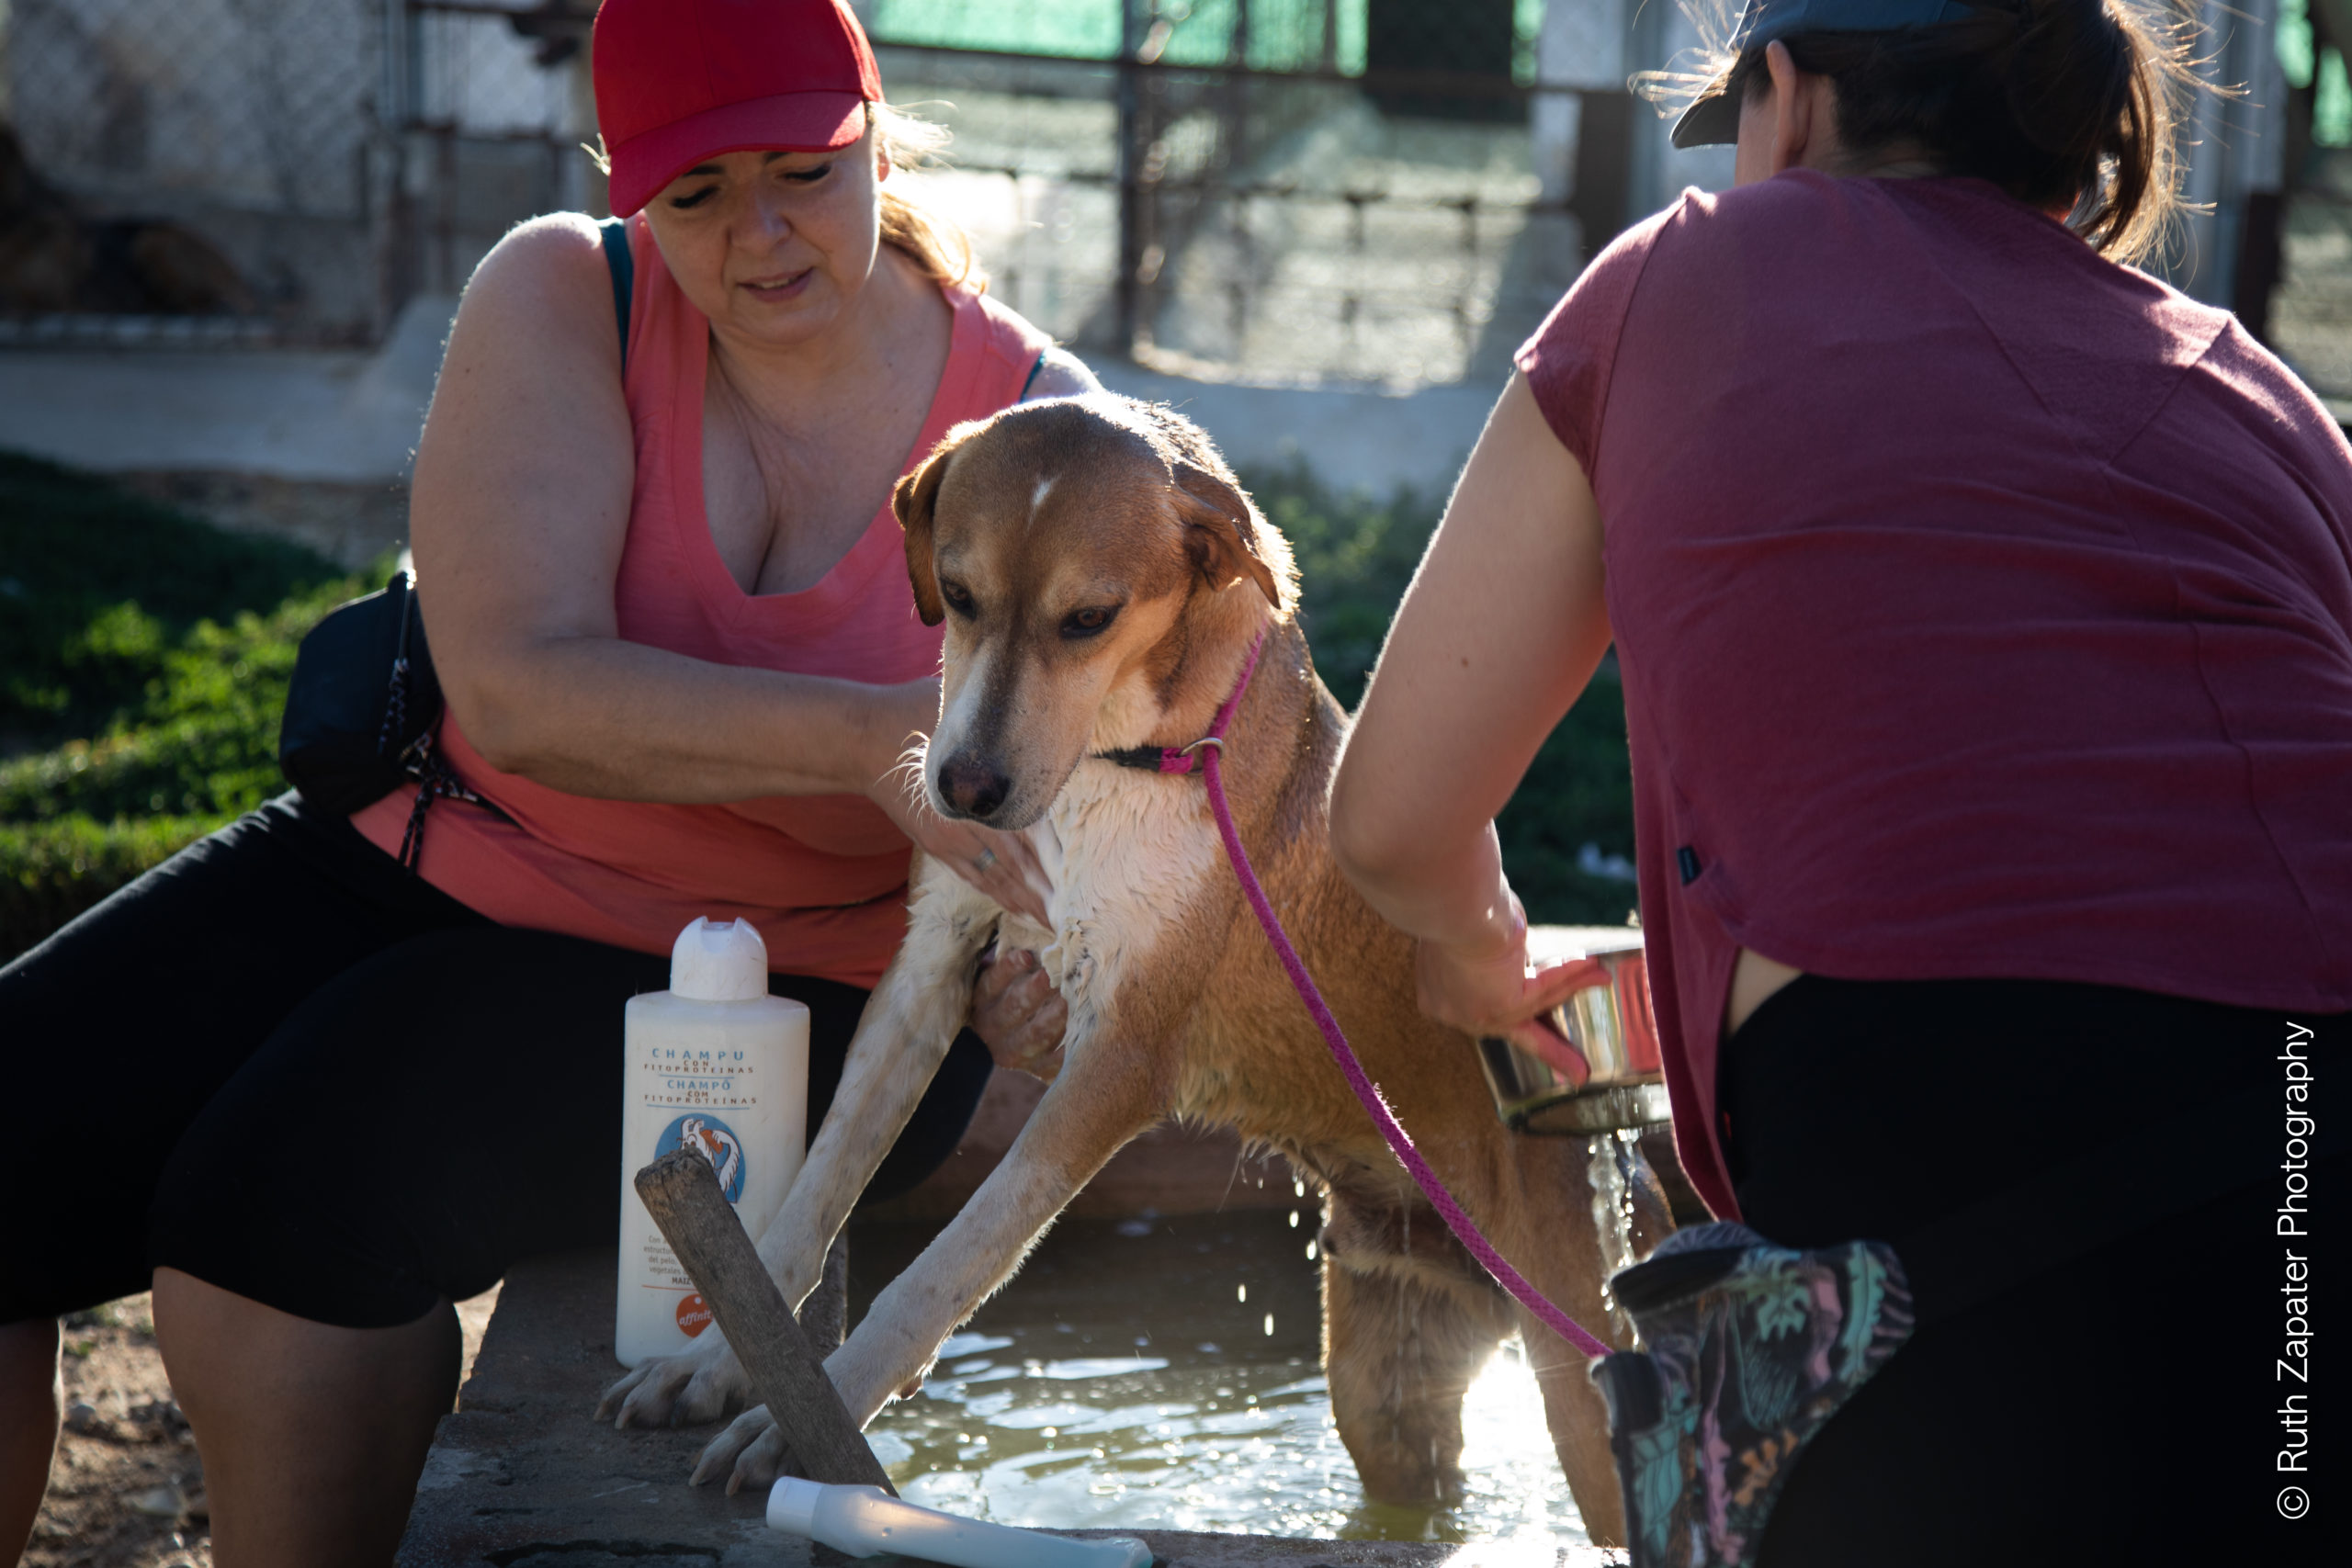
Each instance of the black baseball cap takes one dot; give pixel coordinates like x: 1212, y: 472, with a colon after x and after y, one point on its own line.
x: 1712, y: 118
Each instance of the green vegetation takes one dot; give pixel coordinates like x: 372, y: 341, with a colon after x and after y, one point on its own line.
x: 143, y: 662
x: 1355, y: 557
x: 144, y: 657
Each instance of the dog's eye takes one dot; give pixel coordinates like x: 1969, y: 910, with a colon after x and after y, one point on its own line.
x: 1088, y: 622
x: 958, y: 598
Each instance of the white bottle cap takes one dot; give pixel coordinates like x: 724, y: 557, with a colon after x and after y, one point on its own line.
x: 792, y: 1504
x: 713, y: 962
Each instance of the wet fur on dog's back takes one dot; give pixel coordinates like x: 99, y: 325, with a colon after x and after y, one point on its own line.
x: 1022, y: 532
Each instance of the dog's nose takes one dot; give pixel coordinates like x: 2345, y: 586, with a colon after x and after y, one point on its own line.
x: 973, y: 787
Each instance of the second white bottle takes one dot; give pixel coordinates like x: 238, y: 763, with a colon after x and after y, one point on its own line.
x: 717, y: 1065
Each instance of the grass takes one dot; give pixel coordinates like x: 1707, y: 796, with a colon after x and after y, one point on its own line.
x: 144, y: 657
x: 1356, y: 556
x: 143, y: 662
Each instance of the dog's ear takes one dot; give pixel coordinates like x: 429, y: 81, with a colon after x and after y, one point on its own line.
x: 1221, y: 530
x: 1220, y: 526
x: 916, y: 500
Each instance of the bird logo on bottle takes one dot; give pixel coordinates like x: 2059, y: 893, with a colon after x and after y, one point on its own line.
x: 712, y: 1139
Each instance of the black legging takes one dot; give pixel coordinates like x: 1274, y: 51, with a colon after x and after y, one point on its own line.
x: 2121, y: 1406
x: 281, y: 1065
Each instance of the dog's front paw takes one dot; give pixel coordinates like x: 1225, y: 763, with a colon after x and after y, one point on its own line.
x: 750, y: 1451
x: 680, y: 1391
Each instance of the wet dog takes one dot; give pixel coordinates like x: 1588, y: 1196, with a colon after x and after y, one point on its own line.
x: 1103, y: 578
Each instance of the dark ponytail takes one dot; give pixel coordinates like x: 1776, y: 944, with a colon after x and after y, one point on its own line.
x: 2067, y: 104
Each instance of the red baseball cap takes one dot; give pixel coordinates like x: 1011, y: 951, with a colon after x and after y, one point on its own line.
x: 681, y: 81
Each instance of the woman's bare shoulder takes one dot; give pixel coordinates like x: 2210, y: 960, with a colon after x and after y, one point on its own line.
x: 525, y: 462
x: 1061, y: 374
x: 545, y: 289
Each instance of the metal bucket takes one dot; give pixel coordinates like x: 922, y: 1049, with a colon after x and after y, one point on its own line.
x: 1611, y: 1023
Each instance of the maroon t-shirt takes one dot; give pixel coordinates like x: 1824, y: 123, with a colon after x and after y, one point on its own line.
x: 1983, y: 608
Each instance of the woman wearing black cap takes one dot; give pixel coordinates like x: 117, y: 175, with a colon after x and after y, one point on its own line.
x: 1984, y: 613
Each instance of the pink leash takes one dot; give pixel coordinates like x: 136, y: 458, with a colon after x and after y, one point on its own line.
x: 1211, y: 751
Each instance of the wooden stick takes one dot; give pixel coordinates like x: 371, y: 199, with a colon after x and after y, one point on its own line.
x: 681, y: 1192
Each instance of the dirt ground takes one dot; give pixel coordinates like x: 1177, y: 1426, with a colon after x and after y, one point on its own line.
x: 127, y: 1490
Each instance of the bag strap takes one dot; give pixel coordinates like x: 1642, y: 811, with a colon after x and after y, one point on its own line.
x: 623, y: 267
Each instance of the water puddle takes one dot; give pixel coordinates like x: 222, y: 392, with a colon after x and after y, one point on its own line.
x: 1165, y: 1376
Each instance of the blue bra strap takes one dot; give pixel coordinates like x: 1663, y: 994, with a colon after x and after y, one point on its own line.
x: 624, y: 270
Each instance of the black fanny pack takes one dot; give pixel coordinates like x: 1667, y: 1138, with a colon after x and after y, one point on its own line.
x: 362, y: 710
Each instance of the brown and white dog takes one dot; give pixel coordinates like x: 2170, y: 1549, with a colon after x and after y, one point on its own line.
x: 1102, y: 578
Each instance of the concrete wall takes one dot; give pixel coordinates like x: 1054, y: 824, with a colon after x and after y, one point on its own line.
x: 352, y: 417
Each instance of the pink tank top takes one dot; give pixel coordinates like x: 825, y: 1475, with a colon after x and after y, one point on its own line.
x: 822, y: 877
x: 1985, y: 610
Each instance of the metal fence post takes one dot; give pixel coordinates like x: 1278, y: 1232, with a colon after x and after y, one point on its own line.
x: 1128, y: 290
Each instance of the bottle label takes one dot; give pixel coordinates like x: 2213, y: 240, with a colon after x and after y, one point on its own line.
x: 712, y: 1139
x: 676, y: 1075
x: 729, y: 1087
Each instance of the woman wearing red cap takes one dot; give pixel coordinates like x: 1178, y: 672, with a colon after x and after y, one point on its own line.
x: 669, y: 609
x: 1984, y: 609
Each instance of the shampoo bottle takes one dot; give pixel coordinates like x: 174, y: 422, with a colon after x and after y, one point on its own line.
x: 717, y: 1065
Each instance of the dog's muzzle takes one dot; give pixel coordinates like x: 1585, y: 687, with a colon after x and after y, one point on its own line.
x: 972, y: 787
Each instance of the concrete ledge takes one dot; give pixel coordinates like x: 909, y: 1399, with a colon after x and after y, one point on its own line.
x: 522, y: 1476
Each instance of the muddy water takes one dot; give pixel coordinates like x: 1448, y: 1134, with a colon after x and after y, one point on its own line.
x: 1164, y: 1374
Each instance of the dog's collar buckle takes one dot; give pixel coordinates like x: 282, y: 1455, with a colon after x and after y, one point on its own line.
x: 1187, y: 759
x: 1165, y: 758
x: 1184, y: 760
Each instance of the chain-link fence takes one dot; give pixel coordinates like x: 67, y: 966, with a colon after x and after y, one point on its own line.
x: 1349, y: 190
x: 206, y: 171
x: 495, y: 106
x: 205, y: 154
x: 1280, y: 189
x: 1389, y: 191
x: 1274, y: 189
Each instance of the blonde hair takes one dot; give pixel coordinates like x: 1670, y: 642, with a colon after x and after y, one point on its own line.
x: 938, y: 246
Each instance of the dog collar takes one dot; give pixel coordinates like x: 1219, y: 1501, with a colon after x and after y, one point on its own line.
x: 1185, y: 759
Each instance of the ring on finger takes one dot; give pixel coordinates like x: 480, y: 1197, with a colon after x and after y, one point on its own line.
x: 987, y: 859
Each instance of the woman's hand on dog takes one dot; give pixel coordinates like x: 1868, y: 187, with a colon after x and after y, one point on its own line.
x: 685, y: 1390
x: 1003, y: 866
x: 1018, y: 1013
x: 1484, y: 988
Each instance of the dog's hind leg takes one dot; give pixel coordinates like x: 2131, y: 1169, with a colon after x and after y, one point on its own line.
x: 1563, y: 1254
x: 1579, y: 1417
x: 1400, y: 1347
